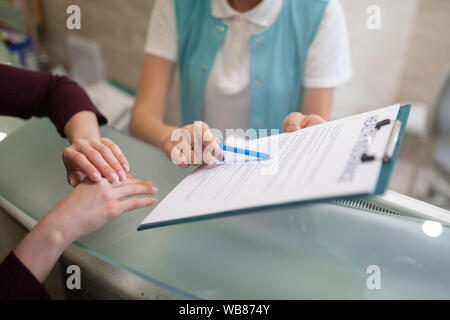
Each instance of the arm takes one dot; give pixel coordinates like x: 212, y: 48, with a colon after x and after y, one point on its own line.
x: 18, y: 283
x: 146, y: 121
x: 27, y: 93
x: 317, y: 101
x: 327, y: 66
x: 161, y: 49
x: 87, y: 208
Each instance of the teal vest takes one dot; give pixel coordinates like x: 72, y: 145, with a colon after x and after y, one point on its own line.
x: 277, y: 58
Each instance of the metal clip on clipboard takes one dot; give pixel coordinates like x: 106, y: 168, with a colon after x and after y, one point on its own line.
x: 390, y: 146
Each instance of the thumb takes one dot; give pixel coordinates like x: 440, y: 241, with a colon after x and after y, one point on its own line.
x: 75, y: 178
x: 72, y: 179
x: 293, y: 122
x: 312, y: 120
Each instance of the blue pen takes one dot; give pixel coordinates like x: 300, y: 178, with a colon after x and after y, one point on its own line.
x: 256, y: 154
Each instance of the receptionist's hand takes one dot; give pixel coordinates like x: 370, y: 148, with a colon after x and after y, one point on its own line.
x: 94, y: 158
x: 193, y: 144
x: 297, y: 120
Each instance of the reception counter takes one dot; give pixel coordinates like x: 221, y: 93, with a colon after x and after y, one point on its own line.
x: 298, y: 252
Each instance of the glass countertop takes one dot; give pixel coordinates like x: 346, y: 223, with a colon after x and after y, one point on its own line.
x: 295, y: 252
x: 9, y: 125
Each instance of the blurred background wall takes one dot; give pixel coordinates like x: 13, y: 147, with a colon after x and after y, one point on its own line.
x: 119, y: 26
x: 378, y: 56
x: 428, y: 51
x: 400, y: 62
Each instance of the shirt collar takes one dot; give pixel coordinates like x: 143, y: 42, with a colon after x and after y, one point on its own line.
x: 262, y: 15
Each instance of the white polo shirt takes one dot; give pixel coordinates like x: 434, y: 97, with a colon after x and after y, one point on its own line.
x: 227, y: 104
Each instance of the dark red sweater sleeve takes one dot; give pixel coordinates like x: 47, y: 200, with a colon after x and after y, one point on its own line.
x: 18, y: 283
x: 25, y: 93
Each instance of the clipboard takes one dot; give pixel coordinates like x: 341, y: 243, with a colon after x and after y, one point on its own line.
x: 388, y: 166
x: 381, y: 185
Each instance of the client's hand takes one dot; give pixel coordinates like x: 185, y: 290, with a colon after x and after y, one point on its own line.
x: 87, y: 208
x: 297, y: 120
x: 91, y: 205
x: 94, y: 158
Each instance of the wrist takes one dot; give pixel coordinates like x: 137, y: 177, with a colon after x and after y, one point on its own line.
x: 58, y: 234
x: 40, y: 249
x: 166, y: 137
x: 82, y: 125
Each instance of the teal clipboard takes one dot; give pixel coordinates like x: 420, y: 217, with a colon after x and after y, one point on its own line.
x: 382, y: 184
x: 388, y: 167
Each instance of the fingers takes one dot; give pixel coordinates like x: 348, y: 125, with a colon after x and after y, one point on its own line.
x: 180, y: 148
x: 135, y: 188
x: 193, y: 151
x: 185, y: 159
x: 110, y: 158
x: 210, y: 142
x: 96, y: 158
x: 117, y: 153
x: 75, y: 160
x: 312, y: 120
x: 72, y: 179
x: 204, y: 146
x: 193, y: 144
x: 293, y: 122
x: 296, y: 121
x: 135, y: 203
x: 75, y: 178
x: 174, y: 152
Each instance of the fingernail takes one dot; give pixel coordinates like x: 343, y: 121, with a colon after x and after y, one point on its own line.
x: 123, y: 175
x: 220, y: 157
x: 155, y: 189
x: 96, y: 176
x: 113, y: 177
x: 71, y: 182
x: 126, y: 167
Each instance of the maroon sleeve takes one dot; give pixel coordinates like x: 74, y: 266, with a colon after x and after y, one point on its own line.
x: 25, y: 93
x: 18, y: 283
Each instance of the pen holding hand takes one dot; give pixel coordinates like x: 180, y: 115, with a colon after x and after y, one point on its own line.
x: 192, y: 144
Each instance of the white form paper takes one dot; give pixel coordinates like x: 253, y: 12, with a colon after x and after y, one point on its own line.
x: 318, y: 162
